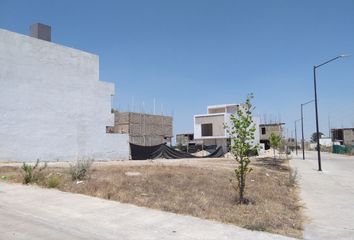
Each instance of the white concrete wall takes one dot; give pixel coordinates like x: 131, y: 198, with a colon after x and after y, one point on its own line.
x: 231, y: 109
x: 197, y: 129
x: 327, y: 142
x: 226, y: 120
x: 217, y: 120
x: 257, y: 139
x: 256, y: 121
x: 52, y: 104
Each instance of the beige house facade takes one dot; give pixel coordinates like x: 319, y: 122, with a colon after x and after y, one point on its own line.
x: 266, y: 129
x: 210, y: 129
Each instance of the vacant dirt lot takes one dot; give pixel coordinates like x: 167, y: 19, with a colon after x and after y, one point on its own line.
x: 198, y: 187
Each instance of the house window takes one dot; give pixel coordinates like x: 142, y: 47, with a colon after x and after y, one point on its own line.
x: 263, y: 130
x: 207, y: 130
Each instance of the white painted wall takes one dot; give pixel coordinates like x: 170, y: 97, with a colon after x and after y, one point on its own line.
x: 326, y: 142
x: 256, y: 121
x: 52, y: 104
x: 227, y: 121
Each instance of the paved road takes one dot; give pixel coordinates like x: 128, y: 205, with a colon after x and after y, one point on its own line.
x: 28, y: 212
x: 328, y: 195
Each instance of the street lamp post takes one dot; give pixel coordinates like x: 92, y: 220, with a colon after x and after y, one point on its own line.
x: 296, y: 136
x: 316, y: 108
x: 302, y: 129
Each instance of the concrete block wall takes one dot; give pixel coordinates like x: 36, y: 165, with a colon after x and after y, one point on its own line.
x: 122, y: 118
x: 348, y: 136
x: 270, y: 128
x: 52, y: 104
x: 144, y: 129
x: 147, y: 140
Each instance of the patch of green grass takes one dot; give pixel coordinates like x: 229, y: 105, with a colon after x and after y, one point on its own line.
x: 257, y: 227
x: 53, y: 181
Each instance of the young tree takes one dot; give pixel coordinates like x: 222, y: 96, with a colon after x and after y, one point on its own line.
x: 314, y: 136
x: 241, y: 132
x: 274, y: 142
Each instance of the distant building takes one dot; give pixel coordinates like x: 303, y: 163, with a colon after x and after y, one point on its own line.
x: 183, y: 139
x: 345, y: 136
x: 266, y: 129
x: 210, y: 127
x: 186, y: 142
x: 326, y: 141
x: 143, y: 129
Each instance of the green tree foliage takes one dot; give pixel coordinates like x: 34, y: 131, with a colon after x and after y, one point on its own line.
x: 274, y: 142
x: 314, y: 136
x: 242, y: 130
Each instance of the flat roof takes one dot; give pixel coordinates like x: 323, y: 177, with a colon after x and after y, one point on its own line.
x: 208, y: 115
x: 142, y: 113
x: 271, y: 124
x: 342, y: 129
x: 223, y: 105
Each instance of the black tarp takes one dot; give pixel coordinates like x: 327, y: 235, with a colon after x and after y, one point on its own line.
x: 163, y: 151
x: 139, y: 152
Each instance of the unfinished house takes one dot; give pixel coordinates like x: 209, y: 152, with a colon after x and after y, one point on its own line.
x: 184, y: 139
x: 345, y: 136
x: 210, y: 127
x: 143, y: 129
x: 266, y: 129
x: 187, y: 143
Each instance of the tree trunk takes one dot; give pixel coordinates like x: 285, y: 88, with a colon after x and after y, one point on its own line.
x: 242, y: 189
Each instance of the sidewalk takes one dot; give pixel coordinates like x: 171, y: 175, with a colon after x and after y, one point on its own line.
x: 28, y: 212
x: 328, y: 195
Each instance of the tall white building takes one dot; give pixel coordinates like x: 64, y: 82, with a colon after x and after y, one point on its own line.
x: 209, y: 128
x: 52, y: 104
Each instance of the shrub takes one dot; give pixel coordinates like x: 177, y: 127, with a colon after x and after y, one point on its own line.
x: 80, y: 170
x: 253, y: 152
x: 31, y: 173
x: 53, y: 182
x: 256, y: 227
x: 275, y: 142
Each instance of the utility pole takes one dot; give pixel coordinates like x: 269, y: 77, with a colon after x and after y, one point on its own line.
x: 302, y: 129
x: 329, y: 126
x: 316, y: 108
x: 296, y: 136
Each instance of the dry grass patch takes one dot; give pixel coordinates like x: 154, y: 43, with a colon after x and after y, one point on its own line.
x: 202, y: 190
x: 11, y: 174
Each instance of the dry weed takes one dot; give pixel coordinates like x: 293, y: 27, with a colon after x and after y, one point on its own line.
x: 202, y: 190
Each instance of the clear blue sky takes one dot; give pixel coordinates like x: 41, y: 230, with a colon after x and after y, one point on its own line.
x: 188, y: 54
